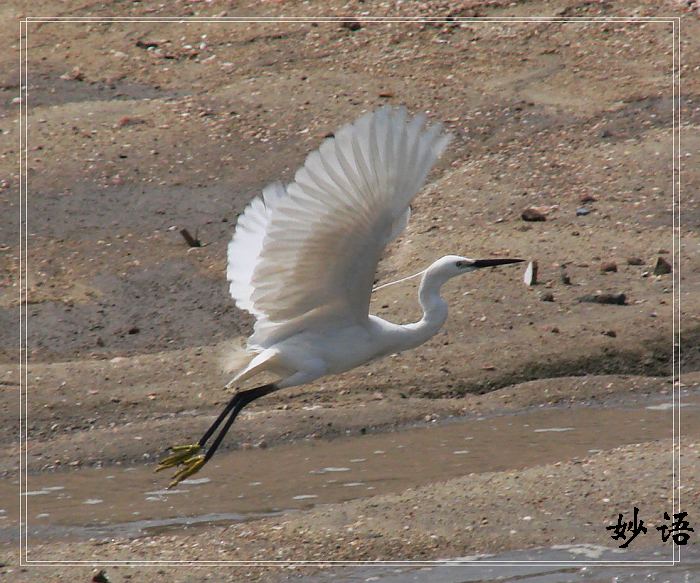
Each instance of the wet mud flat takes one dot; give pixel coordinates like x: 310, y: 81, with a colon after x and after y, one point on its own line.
x: 532, y: 484
x: 113, y: 502
x: 555, y: 564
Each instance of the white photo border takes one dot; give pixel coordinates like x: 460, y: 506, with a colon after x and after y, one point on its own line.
x: 23, y: 242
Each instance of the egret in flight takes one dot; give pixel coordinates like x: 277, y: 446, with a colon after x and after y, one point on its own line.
x: 303, y: 258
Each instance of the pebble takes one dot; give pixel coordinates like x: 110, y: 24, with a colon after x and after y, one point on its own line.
x: 532, y: 215
x: 584, y: 198
x: 546, y: 297
x: 610, y: 333
x: 530, y: 275
x: 130, y: 121
x: 662, y: 267
x: 616, y: 299
x: 608, y: 266
x: 635, y: 261
x: 74, y: 75
x: 582, y: 211
x: 351, y: 24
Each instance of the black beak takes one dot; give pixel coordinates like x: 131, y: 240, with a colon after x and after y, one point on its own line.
x: 494, y: 262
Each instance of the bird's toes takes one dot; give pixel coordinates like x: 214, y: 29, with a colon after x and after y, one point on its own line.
x: 192, y: 466
x: 180, y: 455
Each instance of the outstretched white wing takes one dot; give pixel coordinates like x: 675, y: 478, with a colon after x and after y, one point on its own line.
x: 308, y: 252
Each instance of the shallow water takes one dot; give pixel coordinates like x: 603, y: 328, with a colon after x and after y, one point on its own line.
x: 242, y: 485
x: 557, y: 564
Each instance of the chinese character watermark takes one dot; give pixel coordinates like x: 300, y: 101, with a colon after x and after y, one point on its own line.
x: 627, y: 531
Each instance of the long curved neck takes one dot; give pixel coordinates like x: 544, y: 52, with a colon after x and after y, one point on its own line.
x: 434, y: 310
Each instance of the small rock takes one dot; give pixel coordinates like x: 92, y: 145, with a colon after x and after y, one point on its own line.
x: 565, y: 279
x: 584, y: 198
x: 554, y: 330
x: 74, y: 75
x: 610, y: 333
x: 134, y: 330
x: 146, y: 44
x: 582, y: 211
x: 608, y: 266
x: 616, y: 299
x: 129, y: 121
x: 532, y: 215
x: 606, y: 134
x: 100, y: 577
x: 546, y: 297
x: 351, y: 24
x: 635, y: 261
x: 386, y: 94
x: 530, y: 275
x: 662, y: 267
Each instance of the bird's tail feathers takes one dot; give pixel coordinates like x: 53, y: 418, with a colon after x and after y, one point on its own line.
x: 234, y: 355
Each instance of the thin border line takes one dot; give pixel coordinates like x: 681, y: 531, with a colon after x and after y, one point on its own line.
x: 356, y: 564
x: 677, y: 261
x: 25, y: 225
x: 418, y: 19
x: 22, y: 501
x: 365, y: 21
x: 23, y: 293
x: 674, y: 394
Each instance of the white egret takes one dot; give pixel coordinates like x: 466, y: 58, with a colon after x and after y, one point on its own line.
x: 303, y: 259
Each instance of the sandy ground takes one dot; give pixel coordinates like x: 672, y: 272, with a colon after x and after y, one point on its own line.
x: 137, y: 130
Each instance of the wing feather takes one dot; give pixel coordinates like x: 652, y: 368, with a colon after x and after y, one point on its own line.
x: 306, y: 254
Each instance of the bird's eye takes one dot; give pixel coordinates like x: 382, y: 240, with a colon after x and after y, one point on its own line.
x: 460, y: 264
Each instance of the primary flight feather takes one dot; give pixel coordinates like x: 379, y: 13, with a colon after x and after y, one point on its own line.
x: 314, y: 245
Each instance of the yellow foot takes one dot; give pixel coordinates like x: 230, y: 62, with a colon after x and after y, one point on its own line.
x: 181, y: 453
x: 192, y: 466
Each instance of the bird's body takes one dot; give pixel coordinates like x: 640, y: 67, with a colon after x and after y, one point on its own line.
x: 331, y: 346
x: 312, y: 354
x: 303, y: 259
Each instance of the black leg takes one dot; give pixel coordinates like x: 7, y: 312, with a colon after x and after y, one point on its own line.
x: 189, y: 456
x: 230, y: 405
x: 235, y: 406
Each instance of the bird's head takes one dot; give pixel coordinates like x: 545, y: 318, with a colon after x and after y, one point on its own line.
x: 453, y: 265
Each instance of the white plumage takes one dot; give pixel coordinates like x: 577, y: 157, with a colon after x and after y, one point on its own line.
x: 314, y: 246
x: 303, y: 258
